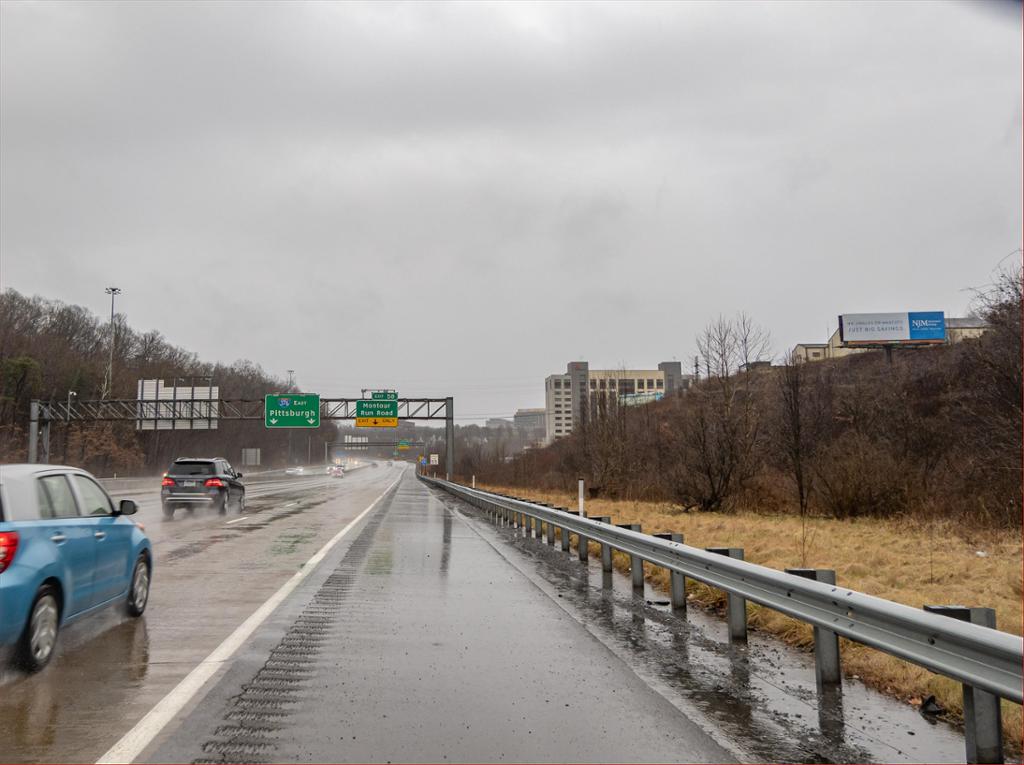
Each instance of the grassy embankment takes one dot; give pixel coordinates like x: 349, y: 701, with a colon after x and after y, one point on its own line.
x: 907, y: 561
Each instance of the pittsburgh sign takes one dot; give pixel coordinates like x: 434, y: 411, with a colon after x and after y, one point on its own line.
x: 285, y: 410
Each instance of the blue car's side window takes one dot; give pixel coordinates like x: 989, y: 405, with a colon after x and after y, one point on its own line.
x: 55, y: 498
x: 94, y: 499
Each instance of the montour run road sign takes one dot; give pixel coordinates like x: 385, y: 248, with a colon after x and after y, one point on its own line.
x: 374, y: 408
x: 287, y: 410
x: 377, y: 413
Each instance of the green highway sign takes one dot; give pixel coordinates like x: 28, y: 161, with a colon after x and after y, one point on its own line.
x: 375, y: 408
x: 384, y: 395
x: 288, y: 410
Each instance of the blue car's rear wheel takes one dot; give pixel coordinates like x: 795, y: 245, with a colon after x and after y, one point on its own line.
x: 40, y: 637
x: 138, y: 590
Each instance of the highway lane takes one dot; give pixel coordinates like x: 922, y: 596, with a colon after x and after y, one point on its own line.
x: 211, y: 572
x: 420, y: 643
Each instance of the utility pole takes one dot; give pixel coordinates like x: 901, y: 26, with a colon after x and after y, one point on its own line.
x: 108, y: 383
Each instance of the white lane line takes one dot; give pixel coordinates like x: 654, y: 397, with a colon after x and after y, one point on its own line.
x: 291, y: 503
x: 236, y: 520
x: 138, y: 738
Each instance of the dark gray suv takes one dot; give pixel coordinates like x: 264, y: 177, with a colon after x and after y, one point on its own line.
x: 192, y: 481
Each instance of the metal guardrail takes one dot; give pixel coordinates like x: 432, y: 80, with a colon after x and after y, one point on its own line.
x: 981, y: 658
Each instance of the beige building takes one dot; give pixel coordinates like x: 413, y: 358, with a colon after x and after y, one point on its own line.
x: 957, y: 330
x: 564, y: 394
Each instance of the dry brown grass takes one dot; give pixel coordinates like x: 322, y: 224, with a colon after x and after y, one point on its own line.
x: 907, y: 561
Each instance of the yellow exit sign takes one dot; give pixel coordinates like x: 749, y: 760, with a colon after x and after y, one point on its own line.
x: 376, y: 422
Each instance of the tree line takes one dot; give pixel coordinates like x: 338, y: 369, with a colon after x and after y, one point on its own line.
x: 935, y: 432
x: 48, y: 348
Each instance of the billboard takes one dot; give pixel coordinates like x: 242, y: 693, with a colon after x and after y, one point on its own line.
x: 910, y: 328
x: 636, y: 399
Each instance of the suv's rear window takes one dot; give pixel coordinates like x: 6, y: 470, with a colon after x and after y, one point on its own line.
x: 193, y: 468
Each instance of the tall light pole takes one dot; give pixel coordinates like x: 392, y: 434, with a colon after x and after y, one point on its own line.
x: 108, y: 384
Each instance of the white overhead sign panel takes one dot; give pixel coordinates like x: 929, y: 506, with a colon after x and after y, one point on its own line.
x: 182, y: 407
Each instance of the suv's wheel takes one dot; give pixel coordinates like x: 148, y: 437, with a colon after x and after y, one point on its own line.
x: 241, y: 503
x: 39, y: 639
x: 138, y: 592
x: 222, y: 505
x: 168, y: 511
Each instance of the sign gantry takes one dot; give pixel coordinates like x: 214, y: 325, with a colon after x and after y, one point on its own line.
x: 302, y: 407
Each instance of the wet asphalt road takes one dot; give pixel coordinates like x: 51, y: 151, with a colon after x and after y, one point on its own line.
x: 435, y: 636
x: 422, y: 644
x: 210, y: 573
x: 429, y: 634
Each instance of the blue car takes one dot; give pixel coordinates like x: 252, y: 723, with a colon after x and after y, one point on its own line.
x: 66, y: 551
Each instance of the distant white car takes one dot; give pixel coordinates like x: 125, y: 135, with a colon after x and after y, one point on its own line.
x: 295, y: 471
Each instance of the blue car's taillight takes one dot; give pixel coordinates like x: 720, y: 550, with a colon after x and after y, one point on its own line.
x: 8, y: 548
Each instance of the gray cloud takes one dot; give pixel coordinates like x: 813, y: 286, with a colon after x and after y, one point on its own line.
x: 458, y: 198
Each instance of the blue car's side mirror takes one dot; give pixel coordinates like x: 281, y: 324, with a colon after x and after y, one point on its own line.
x: 127, y: 507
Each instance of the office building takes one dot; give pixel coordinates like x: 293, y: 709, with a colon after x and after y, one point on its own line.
x: 567, y: 397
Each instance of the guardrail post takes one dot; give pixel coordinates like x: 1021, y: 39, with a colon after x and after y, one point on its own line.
x: 636, y: 563
x: 583, y: 513
x: 606, y: 549
x: 826, y: 643
x: 583, y: 550
x: 735, y: 605
x: 678, y: 580
x: 474, y: 482
x: 565, y: 531
x: 983, y: 723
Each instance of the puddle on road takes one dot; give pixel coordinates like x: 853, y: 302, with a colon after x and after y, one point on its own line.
x: 760, y: 697
x: 39, y: 712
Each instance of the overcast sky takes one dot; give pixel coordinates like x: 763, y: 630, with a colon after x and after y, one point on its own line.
x: 457, y: 199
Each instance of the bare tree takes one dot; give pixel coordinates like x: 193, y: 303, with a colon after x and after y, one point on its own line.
x: 720, y: 427
x: 796, y: 432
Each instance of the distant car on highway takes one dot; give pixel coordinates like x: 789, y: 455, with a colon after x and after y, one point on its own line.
x: 67, y: 551
x: 295, y: 471
x: 336, y: 471
x: 194, y: 481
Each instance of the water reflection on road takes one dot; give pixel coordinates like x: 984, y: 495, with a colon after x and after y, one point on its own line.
x: 101, y: 664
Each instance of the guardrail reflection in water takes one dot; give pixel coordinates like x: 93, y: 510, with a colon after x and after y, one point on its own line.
x: 955, y: 641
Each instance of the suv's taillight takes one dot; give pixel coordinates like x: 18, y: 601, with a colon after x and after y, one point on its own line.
x: 8, y: 547
x: 214, y: 482
x: 167, y: 481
